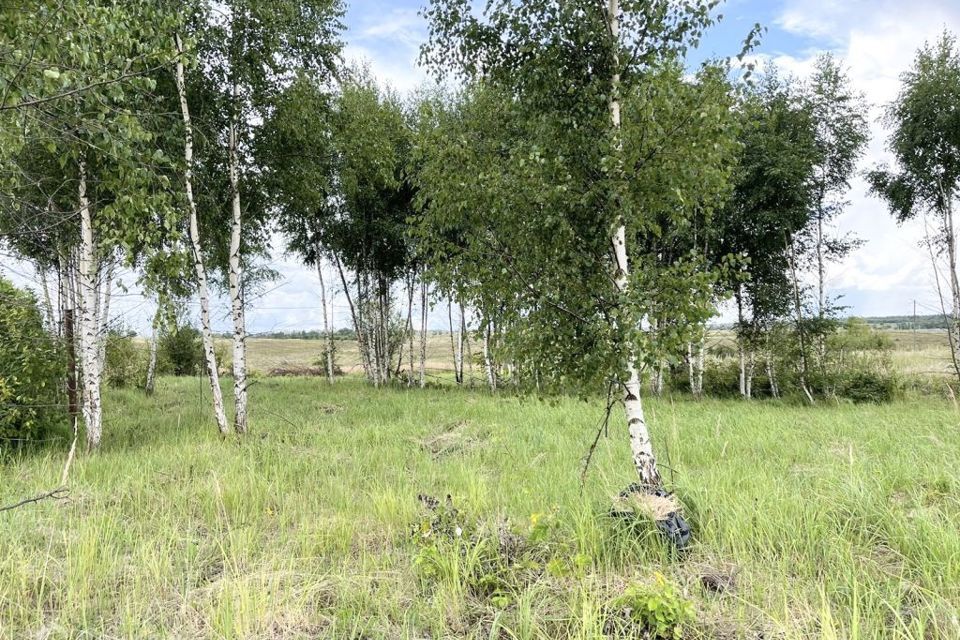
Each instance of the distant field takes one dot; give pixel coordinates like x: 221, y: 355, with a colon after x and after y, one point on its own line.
x: 920, y: 353
x: 826, y: 523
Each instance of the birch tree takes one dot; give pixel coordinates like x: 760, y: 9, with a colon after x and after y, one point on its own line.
x: 925, y: 142
x: 84, y: 99
x: 252, y: 50
x: 553, y: 169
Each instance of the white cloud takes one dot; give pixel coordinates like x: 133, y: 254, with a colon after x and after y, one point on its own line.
x: 876, y: 41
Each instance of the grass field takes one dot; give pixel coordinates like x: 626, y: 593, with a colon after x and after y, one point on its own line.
x: 830, y: 522
x: 924, y: 353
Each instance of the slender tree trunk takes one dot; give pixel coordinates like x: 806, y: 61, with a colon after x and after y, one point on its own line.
x: 954, y: 279
x: 801, y: 334
x: 410, y: 295
x: 488, y: 359
x: 467, y: 351
x: 209, y: 351
x: 453, y: 343
x: 751, y: 369
x: 89, y: 322
x: 354, y: 316
x: 772, y: 377
x: 68, y: 318
x: 47, y: 301
x: 461, y: 337
x: 235, y: 278
x: 104, y: 328
x: 741, y: 343
x: 644, y: 458
x: 328, y: 335
x: 152, y: 363
x: 423, y: 332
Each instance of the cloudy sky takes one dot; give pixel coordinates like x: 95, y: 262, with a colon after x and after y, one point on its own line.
x: 875, y: 39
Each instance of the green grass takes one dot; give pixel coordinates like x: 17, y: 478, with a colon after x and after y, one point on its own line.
x: 837, y: 521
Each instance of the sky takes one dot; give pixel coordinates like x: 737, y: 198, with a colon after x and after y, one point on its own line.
x: 875, y: 40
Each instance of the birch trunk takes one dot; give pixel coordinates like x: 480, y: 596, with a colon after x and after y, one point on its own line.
x: 104, y: 321
x: 801, y: 334
x: 152, y: 363
x: 460, y: 343
x: 328, y: 335
x: 954, y: 280
x: 453, y: 343
x: 772, y: 377
x: 644, y: 459
x: 209, y: 352
x: 741, y: 347
x: 410, y: 294
x: 423, y: 333
x: 467, y: 351
x: 47, y: 301
x: 235, y: 277
x: 354, y: 317
x: 488, y: 360
x: 89, y: 322
x: 68, y: 319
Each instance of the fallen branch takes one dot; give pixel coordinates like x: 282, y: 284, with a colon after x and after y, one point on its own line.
x: 59, y: 493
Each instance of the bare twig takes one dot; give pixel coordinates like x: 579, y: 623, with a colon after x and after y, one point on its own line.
x: 60, y: 493
x: 601, y: 428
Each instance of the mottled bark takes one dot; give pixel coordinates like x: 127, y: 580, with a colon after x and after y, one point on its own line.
x: 152, y: 362
x: 235, y: 281
x: 89, y: 322
x: 327, y: 331
x: 203, y: 291
x: 644, y: 459
x: 423, y: 333
x: 488, y: 358
x: 801, y: 333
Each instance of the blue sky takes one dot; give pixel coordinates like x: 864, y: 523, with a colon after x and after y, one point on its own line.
x: 875, y: 39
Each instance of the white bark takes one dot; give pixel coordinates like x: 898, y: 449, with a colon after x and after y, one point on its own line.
x: 328, y: 334
x: 643, y: 456
x: 235, y: 278
x: 460, y: 344
x: 410, y: 286
x: 47, y: 301
x: 203, y: 291
x: 89, y: 322
x: 152, y: 364
x: 104, y: 320
x: 423, y: 333
x: 488, y: 359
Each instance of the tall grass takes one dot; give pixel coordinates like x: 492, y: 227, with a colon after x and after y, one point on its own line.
x: 831, y: 521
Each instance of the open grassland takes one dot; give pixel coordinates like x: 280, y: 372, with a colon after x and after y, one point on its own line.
x: 915, y: 354
x: 829, y: 522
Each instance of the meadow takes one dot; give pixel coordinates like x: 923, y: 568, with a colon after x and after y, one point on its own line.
x: 331, y: 519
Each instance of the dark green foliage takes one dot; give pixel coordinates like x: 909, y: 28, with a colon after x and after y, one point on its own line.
x: 866, y: 385
x: 31, y: 369
x: 180, y: 352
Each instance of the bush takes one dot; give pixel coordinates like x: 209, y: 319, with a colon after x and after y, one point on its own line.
x: 31, y: 369
x: 658, y: 610
x: 866, y: 386
x: 125, y: 364
x: 180, y: 352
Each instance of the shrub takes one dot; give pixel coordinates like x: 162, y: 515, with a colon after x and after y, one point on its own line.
x: 31, y: 369
x: 180, y: 352
x: 125, y: 364
x: 865, y: 385
x: 658, y: 610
